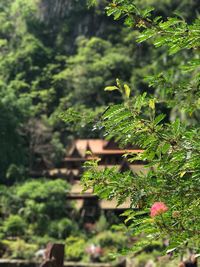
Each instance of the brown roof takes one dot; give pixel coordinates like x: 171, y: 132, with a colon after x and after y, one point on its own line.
x: 97, y: 147
x: 82, y: 145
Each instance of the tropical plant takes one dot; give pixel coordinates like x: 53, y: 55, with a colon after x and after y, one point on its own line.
x: 170, y: 148
x: 27, y: 209
x: 14, y: 226
x: 19, y: 249
x: 75, y: 248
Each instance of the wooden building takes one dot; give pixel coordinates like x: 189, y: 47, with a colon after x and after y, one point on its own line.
x: 72, y: 165
x: 71, y: 169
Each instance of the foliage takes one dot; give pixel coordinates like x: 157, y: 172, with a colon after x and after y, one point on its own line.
x: 111, y: 243
x: 43, y: 201
x: 80, y: 116
x: 14, y: 226
x: 95, y: 62
x: 171, y: 149
x: 155, y: 259
x: 12, y: 149
x: 38, y: 76
x: 62, y: 228
x: 75, y: 248
x: 30, y: 207
x: 57, y: 56
x: 111, y: 239
x: 45, y: 147
x: 19, y: 249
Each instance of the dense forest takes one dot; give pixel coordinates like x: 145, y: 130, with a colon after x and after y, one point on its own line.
x: 56, y: 59
x: 52, y: 61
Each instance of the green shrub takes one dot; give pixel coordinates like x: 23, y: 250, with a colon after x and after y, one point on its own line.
x: 157, y: 258
x: 48, y: 198
x: 75, y: 248
x: 14, y: 226
x: 42, y: 189
x: 42, y: 241
x: 62, y: 228
x: 143, y: 258
x: 111, y: 243
x: 19, y: 249
x: 109, y: 238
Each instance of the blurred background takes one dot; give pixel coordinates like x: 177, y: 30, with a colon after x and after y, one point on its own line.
x: 58, y: 56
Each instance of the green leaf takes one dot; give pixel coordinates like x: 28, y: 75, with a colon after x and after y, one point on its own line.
x: 117, y: 14
x: 165, y: 148
x: 147, y: 12
x: 111, y: 88
x: 170, y: 22
x: 91, y: 3
x: 127, y: 90
x: 176, y: 126
x: 159, y: 118
x: 152, y: 104
x: 146, y: 35
x: 118, y: 83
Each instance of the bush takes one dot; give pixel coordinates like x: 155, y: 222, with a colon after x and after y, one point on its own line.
x: 155, y: 257
x: 62, y: 228
x: 108, y: 239
x: 42, y: 241
x: 75, y: 248
x: 50, y: 194
x: 14, y: 226
x: 19, y: 249
x: 42, y: 189
x: 110, y: 242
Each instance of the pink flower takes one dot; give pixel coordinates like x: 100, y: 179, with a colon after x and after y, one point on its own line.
x: 158, y: 208
x: 94, y: 250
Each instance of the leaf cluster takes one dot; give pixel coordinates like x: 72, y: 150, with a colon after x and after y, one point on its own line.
x: 170, y: 149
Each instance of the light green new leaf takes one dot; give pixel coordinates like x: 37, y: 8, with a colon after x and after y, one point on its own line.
x: 152, y: 104
x: 111, y: 88
x: 127, y: 90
